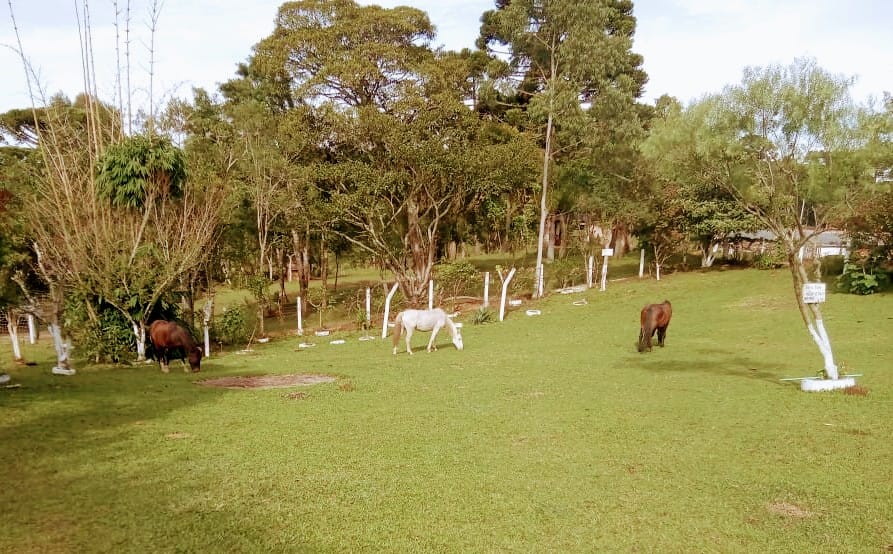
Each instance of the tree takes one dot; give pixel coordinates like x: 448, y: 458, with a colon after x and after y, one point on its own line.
x: 16, y: 172
x: 398, y: 153
x: 707, y: 211
x: 564, y: 53
x: 424, y: 167
x: 784, y: 144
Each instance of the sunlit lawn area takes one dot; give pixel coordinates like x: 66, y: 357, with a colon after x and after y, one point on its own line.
x: 546, y: 434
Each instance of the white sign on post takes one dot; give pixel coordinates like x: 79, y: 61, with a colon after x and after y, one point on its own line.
x: 607, y: 252
x: 813, y: 293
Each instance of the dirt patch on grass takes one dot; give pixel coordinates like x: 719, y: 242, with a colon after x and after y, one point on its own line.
x: 788, y: 510
x: 267, y: 381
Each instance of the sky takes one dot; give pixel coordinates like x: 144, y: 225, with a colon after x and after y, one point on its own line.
x: 690, y: 47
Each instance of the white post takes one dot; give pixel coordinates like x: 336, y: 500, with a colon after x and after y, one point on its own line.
x: 589, y: 267
x: 300, y: 318
x: 32, y: 329
x: 505, y: 289
x: 606, y: 253
x: 368, y: 307
x: 486, y: 288
x: 540, y: 281
x: 206, y: 325
x: 657, y: 265
x: 431, y: 294
x: 387, y: 309
x: 641, y: 263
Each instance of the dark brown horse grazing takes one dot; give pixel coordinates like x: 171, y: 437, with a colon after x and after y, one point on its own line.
x: 170, y: 338
x: 655, y: 317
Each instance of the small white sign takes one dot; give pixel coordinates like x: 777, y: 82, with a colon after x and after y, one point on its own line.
x: 607, y: 252
x: 813, y: 293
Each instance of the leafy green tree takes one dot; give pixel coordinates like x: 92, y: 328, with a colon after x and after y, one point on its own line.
x: 784, y: 143
x: 707, y: 211
x: 393, y: 155
x: 564, y: 54
x: 16, y: 172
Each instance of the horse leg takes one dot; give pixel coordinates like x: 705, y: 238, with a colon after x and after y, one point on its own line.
x: 641, y: 339
x: 433, y: 336
x: 661, y: 334
x: 164, y: 361
x: 408, y: 338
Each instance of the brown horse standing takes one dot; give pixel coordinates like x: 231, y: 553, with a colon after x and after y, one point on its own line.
x: 655, y: 317
x: 168, y: 337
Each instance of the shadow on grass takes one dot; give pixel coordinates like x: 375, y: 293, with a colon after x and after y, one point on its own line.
x: 714, y: 361
x: 52, y: 416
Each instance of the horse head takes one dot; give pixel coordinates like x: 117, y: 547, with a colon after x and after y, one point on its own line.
x: 195, y: 359
x: 457, y: 339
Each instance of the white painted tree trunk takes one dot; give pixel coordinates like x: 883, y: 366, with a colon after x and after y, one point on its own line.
x: 12, y: 327
x: 820, y: 336
x: 505, y: 289
x: 63, y: 364
x: 387, y: 309
x: 140, y: 334
x: 206, y: 323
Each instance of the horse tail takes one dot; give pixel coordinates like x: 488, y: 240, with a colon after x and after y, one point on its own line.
x: 398, y: 328
x: 646, y: 328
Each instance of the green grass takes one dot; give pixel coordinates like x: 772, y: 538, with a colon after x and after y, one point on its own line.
x: 546, y: 434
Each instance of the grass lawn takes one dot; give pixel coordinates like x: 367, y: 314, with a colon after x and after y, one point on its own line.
x: 546, y: 434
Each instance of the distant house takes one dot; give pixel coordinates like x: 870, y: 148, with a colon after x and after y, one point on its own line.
x: 744, y: 246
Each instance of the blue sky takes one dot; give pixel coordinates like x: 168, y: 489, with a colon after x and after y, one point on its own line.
x: 691, y: 47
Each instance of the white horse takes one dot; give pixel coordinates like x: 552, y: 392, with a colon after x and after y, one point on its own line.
x: 424, y: 320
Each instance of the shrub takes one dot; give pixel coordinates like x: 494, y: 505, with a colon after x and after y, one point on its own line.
x: 231, y: 327
x: 862, y: 279
x: 565, y: 273
x: 482, y: 316
x: 773, y: 258
x: 456, y: 278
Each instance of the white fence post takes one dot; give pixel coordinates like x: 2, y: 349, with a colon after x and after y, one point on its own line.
x: 32, y: 329
x: 387, y: 308
x: 486, y: 288
x: 641, y: 263
x: 300, y: 318
x: 431, y: 294
x: 505, y: 289
x: 368, y: 307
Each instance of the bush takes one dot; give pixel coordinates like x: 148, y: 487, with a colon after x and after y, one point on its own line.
x: 773, y: 258
x: 862, y: 279
x: 565, y: 273
x: 482, y: 316
x: 231, y: 327
x: 832, y: 265
x: 109, y: 338
x: 456, y: 278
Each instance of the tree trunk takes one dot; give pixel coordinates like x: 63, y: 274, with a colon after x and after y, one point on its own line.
x: 547, y: 157
x: 301, y: 244
x: 414, y: 280
x: 549, y: 238
x: 811, y: 313
x: 139, y: 331
x: 560, y: 237
x: 13, y: 328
